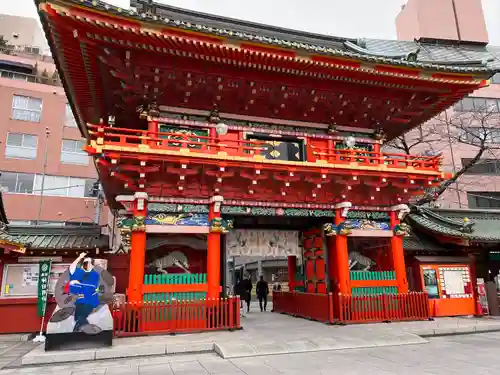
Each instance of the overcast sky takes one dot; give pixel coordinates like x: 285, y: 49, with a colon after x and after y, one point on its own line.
x: 349, y: 18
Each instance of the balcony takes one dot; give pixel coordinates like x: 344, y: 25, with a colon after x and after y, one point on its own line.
x: 197, y: 163
x: 309, y: 152
x: 29, y: 78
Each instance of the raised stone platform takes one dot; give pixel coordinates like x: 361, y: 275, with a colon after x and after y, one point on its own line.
x: 271, y: 334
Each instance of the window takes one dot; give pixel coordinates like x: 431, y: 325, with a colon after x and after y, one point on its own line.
x: 17, y: 182
x: 57, y: 224
x: 62, y: 186
x: 19, y: 222
x: 478, y: 104
x: 485, y: 167
x: 69, y: 118
x: 431, y: 283
x: 72, y: 152
x: 26, y: 108
x: 22, y: 146
x: 483, y: 199
x: 495, y: 79
x: 476, y: 135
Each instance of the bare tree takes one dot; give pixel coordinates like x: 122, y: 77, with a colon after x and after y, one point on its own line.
x: 479, y: 129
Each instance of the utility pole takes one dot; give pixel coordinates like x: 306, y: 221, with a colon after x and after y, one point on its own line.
x: 47, y: 133
x: 100, y: 200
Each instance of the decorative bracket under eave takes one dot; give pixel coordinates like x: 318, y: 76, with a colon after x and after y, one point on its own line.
x: 344, y: 207
x: 219, y: 225
x: 336, y: 230
x: 401, y: 211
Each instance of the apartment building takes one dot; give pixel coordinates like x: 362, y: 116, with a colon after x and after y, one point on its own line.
x: 46, y: 177
x: 460, y: 21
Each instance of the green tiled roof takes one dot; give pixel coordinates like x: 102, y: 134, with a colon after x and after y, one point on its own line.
x: 472, y: 225
x: 418, y: 242
x: 70, y: 238
x: 417, y: 54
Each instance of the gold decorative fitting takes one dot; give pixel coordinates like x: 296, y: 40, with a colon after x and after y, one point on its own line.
x: 222, y: 153
x: 100, y: 141
x: 219, y: 225
x: 139, y: 224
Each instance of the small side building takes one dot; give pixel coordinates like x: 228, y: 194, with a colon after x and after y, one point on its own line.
x: 458, y: 251
x: 21, y: 250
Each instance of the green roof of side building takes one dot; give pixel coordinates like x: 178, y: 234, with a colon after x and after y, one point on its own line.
x: 53, y: 238
x: 471, y: 226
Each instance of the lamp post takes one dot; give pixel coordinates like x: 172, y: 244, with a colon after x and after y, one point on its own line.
x: 47, y: 133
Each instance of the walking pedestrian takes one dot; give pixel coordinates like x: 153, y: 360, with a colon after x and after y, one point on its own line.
x: 247, y: 287
x: 262, y: 290
x: 239, y: 290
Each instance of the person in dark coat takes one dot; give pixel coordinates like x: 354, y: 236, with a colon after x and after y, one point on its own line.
x: 262, y: 290
x: 246, y: 291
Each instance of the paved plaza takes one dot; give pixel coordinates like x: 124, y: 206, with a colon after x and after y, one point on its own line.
x: 465, y: 354
x: 275, y: 343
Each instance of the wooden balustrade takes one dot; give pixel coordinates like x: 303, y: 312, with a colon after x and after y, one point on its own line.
x: 305, y: 305
x: 249, y: 148
x: 381, y: 308
x: 347, y: 309
x: 176, y: 317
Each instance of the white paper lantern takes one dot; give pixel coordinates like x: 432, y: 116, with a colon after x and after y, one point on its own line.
x: 221, y: 129
x: 350, y: 141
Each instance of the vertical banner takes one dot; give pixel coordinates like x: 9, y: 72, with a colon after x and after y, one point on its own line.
x: 43, y: 285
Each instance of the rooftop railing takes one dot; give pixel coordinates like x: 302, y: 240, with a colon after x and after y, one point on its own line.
x: 29, y: 78
x: 245, y: 148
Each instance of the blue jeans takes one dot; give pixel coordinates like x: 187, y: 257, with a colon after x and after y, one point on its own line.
x: 82, y: 312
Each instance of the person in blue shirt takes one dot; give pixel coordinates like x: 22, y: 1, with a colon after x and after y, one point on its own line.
x: 84, y: 285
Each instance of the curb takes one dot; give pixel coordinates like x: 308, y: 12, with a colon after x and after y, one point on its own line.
x: 458, y: 331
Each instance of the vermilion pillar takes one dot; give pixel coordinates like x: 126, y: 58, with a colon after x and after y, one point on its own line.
x: 292, y: 270
x: 138, y: 248
x: 153, y: 130
x: 213, y: 252
x: 398, y: 258
x: 341, y: 254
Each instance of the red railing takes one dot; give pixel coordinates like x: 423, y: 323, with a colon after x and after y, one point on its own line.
x: 246, y: 148
x: 370, y: 157
x: 305, y: 305
x: 176, y: 317
x: 380, y: 308
x: 347, y: 309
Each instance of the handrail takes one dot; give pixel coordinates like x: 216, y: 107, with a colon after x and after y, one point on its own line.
x: 249, y: 148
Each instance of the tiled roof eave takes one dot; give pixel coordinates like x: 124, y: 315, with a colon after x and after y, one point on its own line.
x: 436, y: 228
x: 312, y: 48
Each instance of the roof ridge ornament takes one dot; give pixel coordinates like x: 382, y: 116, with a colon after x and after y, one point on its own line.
x: 361, y: 47
x: 464, y: 226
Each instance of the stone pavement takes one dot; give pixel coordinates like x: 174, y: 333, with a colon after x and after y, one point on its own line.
x: 11, y: 350
x: 263, y: 334
x: 271, y: 334
x: 459, y: 355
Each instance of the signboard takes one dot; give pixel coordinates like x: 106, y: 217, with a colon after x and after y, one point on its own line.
x: 43, y: 286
